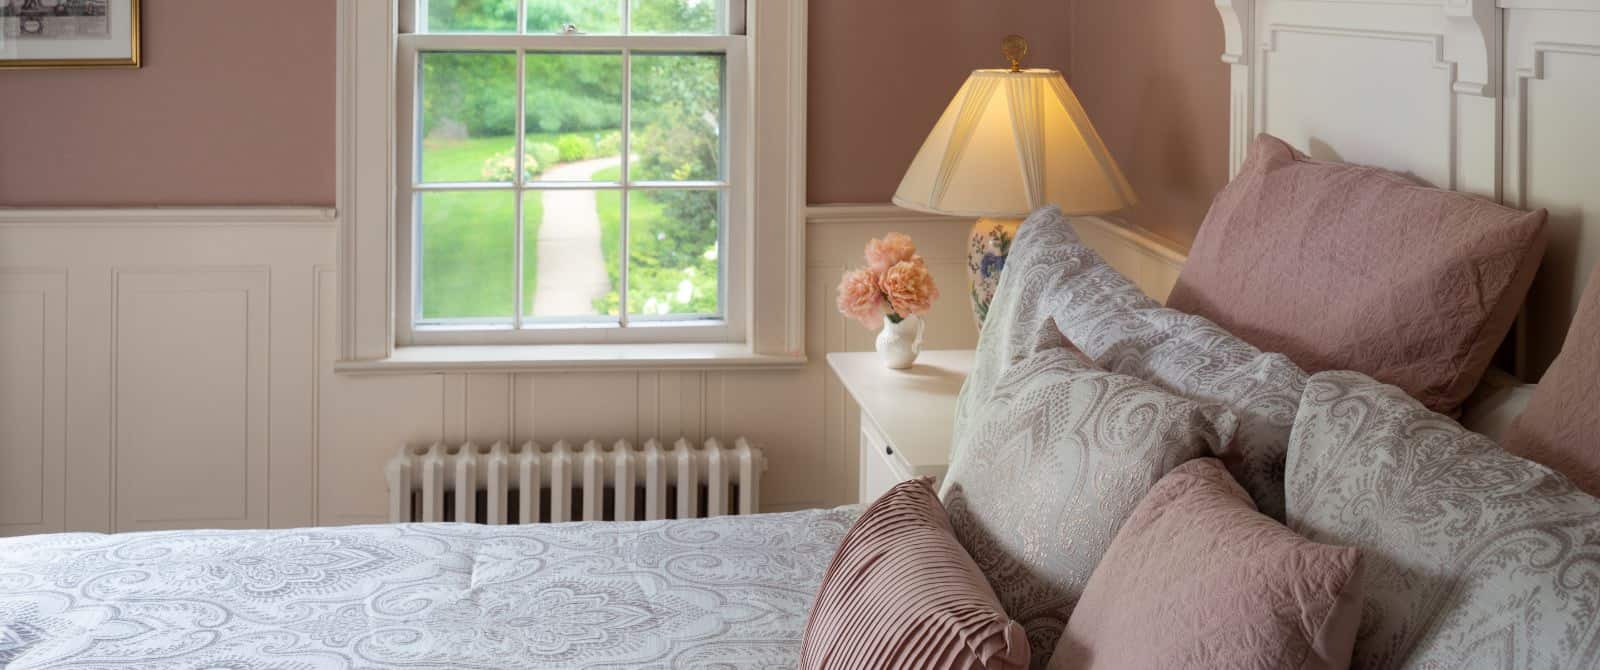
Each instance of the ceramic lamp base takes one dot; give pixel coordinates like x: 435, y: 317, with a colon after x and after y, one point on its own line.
x: 987, y: 248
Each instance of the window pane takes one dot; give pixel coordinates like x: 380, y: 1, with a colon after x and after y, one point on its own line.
x: 468, y: 255
x: 574, y: 112
x: 677, y: 117
x: 673, y: 255
x: 570, y: 253
x: 469, y: 116
x: 590, y: 16
x: 674, y: 16
x: 470, y: 16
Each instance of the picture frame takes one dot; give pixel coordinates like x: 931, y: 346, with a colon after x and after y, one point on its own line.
x: 38, y: 34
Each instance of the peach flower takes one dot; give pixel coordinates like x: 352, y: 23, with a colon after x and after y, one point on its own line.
x: 860, y: 298
x: 909, y: 287
x: 892, y: 249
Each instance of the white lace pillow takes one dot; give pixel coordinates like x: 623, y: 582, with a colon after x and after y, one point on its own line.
x: 1115, y: 324
x: 1058, y: 456
x: 1474, y: 557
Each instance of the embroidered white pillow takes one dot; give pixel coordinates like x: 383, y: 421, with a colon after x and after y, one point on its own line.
x: 1473, y: 557
x: 1058, y: 457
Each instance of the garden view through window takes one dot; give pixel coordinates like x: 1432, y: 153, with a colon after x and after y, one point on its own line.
x: 557, y: 185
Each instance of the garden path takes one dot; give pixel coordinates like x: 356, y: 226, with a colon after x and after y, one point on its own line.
x: 572, y: 270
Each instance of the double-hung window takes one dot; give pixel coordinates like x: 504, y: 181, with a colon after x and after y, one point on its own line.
x: 572, y: 171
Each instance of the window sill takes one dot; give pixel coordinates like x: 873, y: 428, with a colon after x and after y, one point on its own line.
x: 569, y: 358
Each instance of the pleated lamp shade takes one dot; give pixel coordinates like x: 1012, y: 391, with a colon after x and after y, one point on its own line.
x: 1010, y: 143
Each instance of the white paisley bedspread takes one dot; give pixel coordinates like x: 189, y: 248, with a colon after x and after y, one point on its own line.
x: 728, y: 592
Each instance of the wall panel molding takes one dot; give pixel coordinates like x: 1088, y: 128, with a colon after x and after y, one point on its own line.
x: 176, y: 265
x: 1552, y: 84
x: 191, y: 410
x: 33, y: 401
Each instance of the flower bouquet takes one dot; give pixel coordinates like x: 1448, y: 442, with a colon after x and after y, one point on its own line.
x: 895, y: 286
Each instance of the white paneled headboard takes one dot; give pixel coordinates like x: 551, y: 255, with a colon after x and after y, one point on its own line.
x: 1498, y: 99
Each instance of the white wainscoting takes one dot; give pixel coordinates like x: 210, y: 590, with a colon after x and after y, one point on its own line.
x: 174, y: 369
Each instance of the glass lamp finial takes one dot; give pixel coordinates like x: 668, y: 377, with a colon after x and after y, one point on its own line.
x: 1014, y: 47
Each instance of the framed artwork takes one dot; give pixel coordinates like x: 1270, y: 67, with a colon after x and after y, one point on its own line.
x: 69, y: 33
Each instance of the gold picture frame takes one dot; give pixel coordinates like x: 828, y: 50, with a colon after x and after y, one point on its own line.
x: 56, y: 61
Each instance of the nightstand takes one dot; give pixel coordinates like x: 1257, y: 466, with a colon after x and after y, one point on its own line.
x: 907, y: 416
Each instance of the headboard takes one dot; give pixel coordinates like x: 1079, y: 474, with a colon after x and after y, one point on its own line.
x: 1501, y: 99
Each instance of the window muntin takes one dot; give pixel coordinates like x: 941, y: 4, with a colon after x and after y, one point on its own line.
x: 545, y: 234
x: 597, y: 17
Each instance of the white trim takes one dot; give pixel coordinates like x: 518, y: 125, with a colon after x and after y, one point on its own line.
x: 366, y: 111
x: 779, y: 32
x: 569, y: 358
x: 606, y: 43
x: 896, y: 215
x: 169, y: 217
x: 875, y: 213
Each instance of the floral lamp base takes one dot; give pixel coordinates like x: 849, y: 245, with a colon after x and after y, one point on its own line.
x: 987, y: 248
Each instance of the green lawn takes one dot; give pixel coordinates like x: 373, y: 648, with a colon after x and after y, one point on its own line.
x: 461, y: 160
x: 467, y: 238
x: 644, y: 213
x: 468, y: 265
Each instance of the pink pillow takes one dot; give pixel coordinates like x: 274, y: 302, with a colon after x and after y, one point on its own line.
x: 1561, y: 427
x: 1197, y: 578
x: 902, y: 593
x: 1342, y: 267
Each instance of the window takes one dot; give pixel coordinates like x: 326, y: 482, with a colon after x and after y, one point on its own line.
x: 445, y: 107
x: 571, y: 171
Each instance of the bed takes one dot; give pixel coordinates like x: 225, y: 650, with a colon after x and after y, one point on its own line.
x: 719, y: 592
x: 737, y: 591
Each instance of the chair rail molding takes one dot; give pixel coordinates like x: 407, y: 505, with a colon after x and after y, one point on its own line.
x: 168, y: 217
x: 1150, y: 261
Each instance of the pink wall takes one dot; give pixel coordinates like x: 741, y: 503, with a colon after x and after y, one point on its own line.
x: 883, y: 70
x: 234, y: 106
x: 1150, y: 75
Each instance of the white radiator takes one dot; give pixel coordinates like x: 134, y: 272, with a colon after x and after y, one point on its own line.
x: 533, y: 483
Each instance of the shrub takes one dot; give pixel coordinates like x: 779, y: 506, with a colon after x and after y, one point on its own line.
x: 610, y: 144
x: 575, y: 148
x: 545, y: 153
x: 502, y: 167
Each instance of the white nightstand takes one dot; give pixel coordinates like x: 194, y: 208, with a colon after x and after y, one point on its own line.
x: 906, y: 415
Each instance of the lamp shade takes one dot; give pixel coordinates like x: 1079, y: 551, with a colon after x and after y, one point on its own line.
x: 1010, y: 143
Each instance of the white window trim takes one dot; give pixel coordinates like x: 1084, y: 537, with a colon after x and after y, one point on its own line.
x: 771, y: 257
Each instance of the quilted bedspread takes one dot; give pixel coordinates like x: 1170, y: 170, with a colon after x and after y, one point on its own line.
x: 724, y: 592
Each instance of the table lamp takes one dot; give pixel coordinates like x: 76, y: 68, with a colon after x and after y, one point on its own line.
x: 1012, y: 141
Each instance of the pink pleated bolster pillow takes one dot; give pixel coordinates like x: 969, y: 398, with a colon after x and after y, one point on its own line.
x: 1197, y: 578
x: 902, y: 593
x: 1561, y: 426
x: 1343, y: 267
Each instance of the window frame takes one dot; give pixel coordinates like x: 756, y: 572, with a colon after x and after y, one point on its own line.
x: 774, y: 301
x: 733, y: 187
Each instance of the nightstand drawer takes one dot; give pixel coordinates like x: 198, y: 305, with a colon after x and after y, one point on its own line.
x: 881, y: 466
x: 907, y: 416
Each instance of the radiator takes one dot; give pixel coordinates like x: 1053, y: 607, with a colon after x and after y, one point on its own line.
x: 501, y: 484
